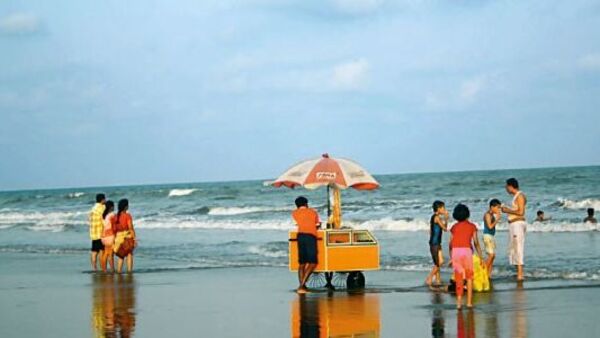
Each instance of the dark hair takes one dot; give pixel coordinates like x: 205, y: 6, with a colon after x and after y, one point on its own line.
x: 100, y: 198
x: 461, y: 212
x: 540, y: 212
x: 123, y: 205
x: 109, y: 207
x: 437, y: 205
x: 301, y: 201
x: 513, y: 182
x: 590, y: 211
x: 495, y: 202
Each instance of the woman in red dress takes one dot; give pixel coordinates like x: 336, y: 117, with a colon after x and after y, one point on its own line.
x: 124, y: 229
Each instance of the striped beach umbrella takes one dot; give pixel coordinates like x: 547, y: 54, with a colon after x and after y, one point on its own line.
x: 327, y: 171
x: 334, y: 173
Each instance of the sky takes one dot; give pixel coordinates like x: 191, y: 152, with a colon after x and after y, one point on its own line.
x: 135, y: 92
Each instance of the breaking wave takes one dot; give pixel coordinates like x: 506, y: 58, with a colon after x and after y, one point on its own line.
x: 578, y: 205
x: 41, y: 221
x: 202, y: 224
x: 181, y: 192
x: 272, y: 250
x: 562, y: 227
x: 231, y: 211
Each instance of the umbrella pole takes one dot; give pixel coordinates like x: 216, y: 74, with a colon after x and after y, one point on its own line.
x: 328, y: 206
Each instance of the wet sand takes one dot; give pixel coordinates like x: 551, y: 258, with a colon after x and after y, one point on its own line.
x: 45, y: 296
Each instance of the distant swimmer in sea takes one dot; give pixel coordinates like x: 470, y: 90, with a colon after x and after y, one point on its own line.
x: 590, y: 217
x: 308, y: 222
x: 541, y: 217
x: 96, y: 228
x: 464, y: 238
x: 516, y: 226
x: 437, y: 224
x: 490, y: 219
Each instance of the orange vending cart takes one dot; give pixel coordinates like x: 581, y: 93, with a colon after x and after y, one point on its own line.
x: 347, y: 251
x: 340, y: 250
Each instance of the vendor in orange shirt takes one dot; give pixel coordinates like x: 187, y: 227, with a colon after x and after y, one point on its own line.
x: 308, y: 222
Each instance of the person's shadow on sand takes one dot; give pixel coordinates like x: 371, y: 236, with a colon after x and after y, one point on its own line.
x: 113, y: 305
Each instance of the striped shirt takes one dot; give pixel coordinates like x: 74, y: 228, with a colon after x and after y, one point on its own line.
x: 96, y: 222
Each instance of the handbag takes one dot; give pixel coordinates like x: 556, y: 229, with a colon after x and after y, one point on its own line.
x: 126, y: 247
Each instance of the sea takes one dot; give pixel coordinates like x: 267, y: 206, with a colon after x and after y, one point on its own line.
x: 245, y: 224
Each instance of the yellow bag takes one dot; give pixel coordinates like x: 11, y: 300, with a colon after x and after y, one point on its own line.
x: 481, y: 281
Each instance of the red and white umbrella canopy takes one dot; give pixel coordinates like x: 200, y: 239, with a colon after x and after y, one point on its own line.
x: 326, y: 171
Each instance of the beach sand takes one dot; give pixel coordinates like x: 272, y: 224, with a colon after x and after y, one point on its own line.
x: 45, y: 296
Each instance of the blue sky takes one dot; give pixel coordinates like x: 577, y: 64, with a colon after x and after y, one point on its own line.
x: 140, y: 92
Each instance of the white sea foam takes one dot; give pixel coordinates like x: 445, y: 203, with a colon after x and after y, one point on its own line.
x: 383, y: 224
x: 40, y: 221
x: 539, y: 273
x: 41, y: 249
x: 407, y: 267
x: 54, y: 217
x: 543, y: 273
x: 386, y: 224
x: 223, y: 225
x: 262, y: 251
x: 581, y: 204
x: 390, y: 224
x: 47, y: 227
x: 231, y: 211
x: 181, y: 192
x: 75, y: 194
x: 561, y: 227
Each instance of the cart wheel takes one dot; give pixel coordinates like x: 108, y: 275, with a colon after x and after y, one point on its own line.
x: 356, y: 280
x: 316, y: 280
x: 339, y: 280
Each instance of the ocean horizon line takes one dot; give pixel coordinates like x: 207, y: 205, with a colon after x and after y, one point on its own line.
x: 174, y: 184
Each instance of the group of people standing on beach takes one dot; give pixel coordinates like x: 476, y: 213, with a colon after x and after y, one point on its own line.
x: 111, y: 234
x: 464, y: 237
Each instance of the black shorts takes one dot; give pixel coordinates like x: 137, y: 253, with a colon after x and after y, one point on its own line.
x: 307, y: 249
x: 97, y: 245
x: 435, y: 253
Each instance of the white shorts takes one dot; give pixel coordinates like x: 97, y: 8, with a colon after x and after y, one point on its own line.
x: 490, y: 244
x: 516, y: 240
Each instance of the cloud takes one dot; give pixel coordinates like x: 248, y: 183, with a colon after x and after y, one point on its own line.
x: 20, y: 24
x: 356, y: 7
x: 590, y: 61
x: 247, y: 73
x: 469, y: 89
x: 462, y: 95
x: 350, y: 75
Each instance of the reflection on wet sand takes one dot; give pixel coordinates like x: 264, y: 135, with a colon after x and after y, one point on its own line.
x: 519, y: 318
x: 488, y: 317
x: 335, y: 315
x: 465, y: 323
x: 437, y: 315
x: 113, y: 305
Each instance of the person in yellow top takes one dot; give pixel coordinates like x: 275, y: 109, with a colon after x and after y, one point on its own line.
x: 96, y: 228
